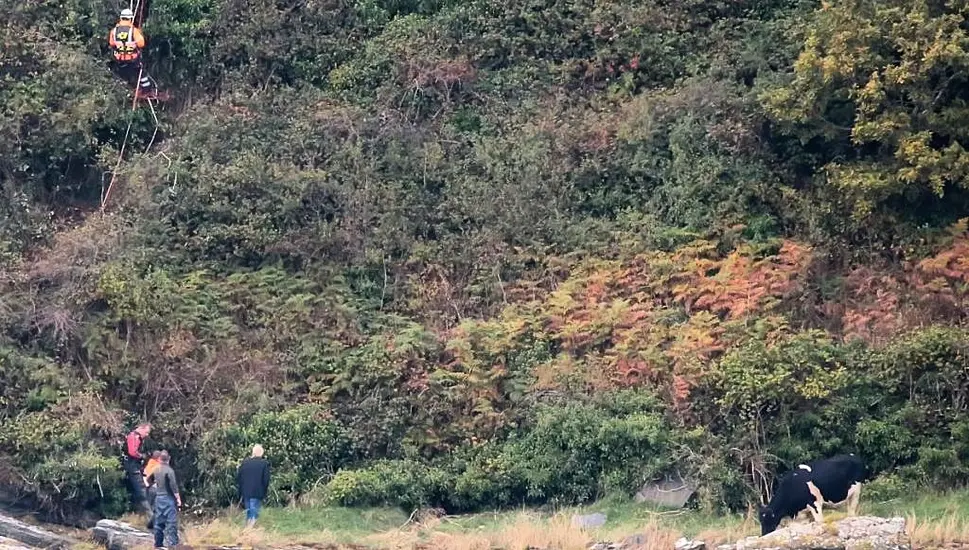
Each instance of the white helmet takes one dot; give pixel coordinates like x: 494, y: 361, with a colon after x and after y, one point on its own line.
x: 127, y: 14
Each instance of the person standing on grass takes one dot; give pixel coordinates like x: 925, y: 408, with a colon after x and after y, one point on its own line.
x: 253, y: 481
x: 167, y: 502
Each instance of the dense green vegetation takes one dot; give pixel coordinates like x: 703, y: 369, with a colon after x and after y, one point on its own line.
x: 480, y: 254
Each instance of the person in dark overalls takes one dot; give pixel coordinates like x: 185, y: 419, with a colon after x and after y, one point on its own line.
x: 167, y: 502
x: 132, y: 460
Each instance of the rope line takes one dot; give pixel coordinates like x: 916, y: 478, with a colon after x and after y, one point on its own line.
x: 137, y: 8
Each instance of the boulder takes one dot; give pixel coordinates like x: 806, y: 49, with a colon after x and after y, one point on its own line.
x: 29, y: 535
x: 117, y: 535
x: 684, y: 543
x: 589, y: 521
x: 672, y: 492
x: 853, y: 533
x: 634, y: 542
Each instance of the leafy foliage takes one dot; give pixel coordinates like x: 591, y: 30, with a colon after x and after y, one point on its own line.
x: 307, y: 448
x: 879, y: 86
x: 469, y: 255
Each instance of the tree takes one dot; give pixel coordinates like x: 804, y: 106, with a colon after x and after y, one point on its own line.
x: 880, y: 92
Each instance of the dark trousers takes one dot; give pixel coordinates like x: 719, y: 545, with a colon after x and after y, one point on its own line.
x: 166, y: 521
x: 128, y: 71
x: 152, y: 494
x: 136, y: 485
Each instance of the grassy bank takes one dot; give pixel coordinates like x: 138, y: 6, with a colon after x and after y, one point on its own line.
x: 934, y: 520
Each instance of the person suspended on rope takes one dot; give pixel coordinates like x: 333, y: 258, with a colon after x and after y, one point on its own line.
x: 126, y: 40
x: 127, y: 43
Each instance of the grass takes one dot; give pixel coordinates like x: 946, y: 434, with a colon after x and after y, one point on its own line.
x: 933, y: 520
x: 510, y: 529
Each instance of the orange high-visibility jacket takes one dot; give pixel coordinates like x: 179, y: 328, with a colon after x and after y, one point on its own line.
x: 150, y: 468
x: 126, y: 40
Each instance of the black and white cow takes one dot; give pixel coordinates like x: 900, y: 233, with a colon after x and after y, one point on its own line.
x: 810, y: 486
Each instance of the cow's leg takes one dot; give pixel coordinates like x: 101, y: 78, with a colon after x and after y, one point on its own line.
x: 854, y: 495
x: 818, y: 501
x: 814, y: 513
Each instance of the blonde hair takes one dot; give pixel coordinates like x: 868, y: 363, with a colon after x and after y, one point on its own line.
x: 257, y: 450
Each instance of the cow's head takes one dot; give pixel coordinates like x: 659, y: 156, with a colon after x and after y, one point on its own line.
x: 769, y: 520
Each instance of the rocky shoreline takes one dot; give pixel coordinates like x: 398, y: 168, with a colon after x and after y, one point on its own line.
x: 853, y: 533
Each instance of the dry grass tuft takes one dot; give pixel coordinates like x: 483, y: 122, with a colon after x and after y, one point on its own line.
x: 948, y: 529
x: 657, y: 537
x: 558, y: 533
x: 221, y: 532
x: 730, y: 533
x: 525, y: 531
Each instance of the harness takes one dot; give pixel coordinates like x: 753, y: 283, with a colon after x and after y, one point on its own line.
x: 125, y: 48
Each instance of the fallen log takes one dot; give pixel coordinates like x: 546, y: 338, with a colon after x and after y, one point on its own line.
x: 117, y: 535
x: 29, y: 535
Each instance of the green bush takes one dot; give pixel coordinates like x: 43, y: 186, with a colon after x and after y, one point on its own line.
x: 887, y: 487
x: 304, y: 445
x: 571, y: 454
x: 405, y: 483
x: 577, y: 452
x: 61, y: 466
x: 486, y: 476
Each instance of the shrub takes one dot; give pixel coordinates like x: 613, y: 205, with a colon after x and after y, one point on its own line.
x: 304, y: 445
x: 571, y: 454
x: 404, y: 483
x: 60, y: 464
x: 579, y: 451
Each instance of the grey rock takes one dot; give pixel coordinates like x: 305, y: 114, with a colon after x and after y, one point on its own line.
x: 117, y: 535
x: 634, y: 541
x: 672, y: 492
x: 29, y: 535
x: 589, y: 521
x: 853, y: 533
x: 686, y: 544
x: 629, y: 543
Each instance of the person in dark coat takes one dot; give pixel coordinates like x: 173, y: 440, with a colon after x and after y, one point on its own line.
x: 253, y: 481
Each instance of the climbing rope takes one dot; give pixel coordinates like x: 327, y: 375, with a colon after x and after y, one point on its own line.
x: 136, y: 8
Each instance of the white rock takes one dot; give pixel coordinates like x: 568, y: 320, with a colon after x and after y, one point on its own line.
x: 854, y: 533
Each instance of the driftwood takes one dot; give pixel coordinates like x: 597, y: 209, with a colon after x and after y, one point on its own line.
x: 117, y: 535
x: 28, y: 535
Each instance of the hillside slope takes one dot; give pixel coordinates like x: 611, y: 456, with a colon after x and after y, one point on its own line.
x: 477, y: 254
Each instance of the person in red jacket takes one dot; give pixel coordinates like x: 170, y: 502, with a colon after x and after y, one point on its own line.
x: 133, y: 459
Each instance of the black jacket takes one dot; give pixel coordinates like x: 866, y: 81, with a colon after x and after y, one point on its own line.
x: 253, y: 478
